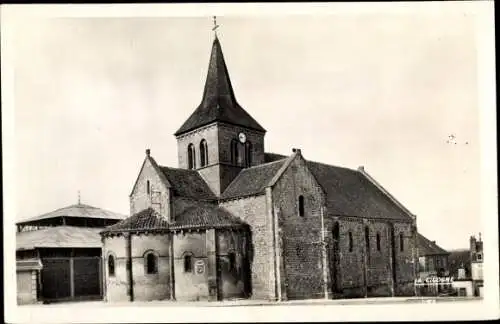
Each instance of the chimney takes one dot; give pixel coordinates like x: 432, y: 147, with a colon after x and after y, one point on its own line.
x: 296, y: 150
x: 479, y: 236
x: 361, y: 168
x: 148, y: 152
x: 433, y: 242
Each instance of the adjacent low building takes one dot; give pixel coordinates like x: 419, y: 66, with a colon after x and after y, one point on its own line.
x: 433, y: 272
x: 59, y: 254
x: 466, y: 267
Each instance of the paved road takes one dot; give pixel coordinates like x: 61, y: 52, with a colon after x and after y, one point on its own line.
x: 360, y: 301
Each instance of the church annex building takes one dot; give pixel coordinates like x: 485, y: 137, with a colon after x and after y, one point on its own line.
x: 232, y: 221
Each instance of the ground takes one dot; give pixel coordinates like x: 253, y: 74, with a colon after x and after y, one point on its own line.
x: 356, y: 301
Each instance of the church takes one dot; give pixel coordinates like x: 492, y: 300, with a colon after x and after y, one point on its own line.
x: 235, y: 222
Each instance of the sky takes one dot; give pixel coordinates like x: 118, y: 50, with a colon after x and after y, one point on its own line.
x: 382, y: 91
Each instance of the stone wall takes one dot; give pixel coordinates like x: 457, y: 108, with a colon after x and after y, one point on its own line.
x: 253, y: 210
x: 190, y: 285
x: 26, y: 287
x: 158, y: 198
x: 300, y: 236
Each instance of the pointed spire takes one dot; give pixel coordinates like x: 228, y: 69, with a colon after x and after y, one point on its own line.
x: 79, y: 200
x: 219, y: 102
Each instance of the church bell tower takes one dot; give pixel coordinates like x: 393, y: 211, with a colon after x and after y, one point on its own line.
x: 220, y: 138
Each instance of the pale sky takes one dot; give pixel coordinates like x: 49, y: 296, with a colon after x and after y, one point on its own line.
x: 382, y: 91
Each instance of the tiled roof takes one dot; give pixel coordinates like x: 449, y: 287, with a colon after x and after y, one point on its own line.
x: 219, y: 102
x: 188, y: 183
x: 59, y: 237
x: 205, y: 215
x: 145, y: 219
x: 252, y: 180
x: 427, y: 247
x: 77, y: 210
x: 350, y: 193
x: 200, y: 215
x: 28, y: 264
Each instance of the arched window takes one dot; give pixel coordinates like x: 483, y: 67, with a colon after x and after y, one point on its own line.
x: 188, y: 263
x: 378, y: 241
x: 151, y: 263
x: 232, y: 261
x: 367, y: 239
x: 191, y: 157
x: 301, y: 205
x: 401, y: 242
x: 351, y: 243
x: 203, y: 153
x: 111, y: 265
x: 234, y: 152
x: 248, y: 154
x: 148, y: 187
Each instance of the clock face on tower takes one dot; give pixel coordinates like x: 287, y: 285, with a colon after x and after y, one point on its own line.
x: 242, y: 137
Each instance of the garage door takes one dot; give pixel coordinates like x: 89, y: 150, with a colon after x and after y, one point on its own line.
x: 87, y: 277
x: 71, y: 278
x: 56, y: 278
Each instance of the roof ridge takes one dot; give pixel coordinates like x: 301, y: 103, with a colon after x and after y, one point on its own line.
x: 264, y: 164
x: 311, y: 161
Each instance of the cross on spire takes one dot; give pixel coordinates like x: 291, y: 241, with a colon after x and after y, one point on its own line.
x: 215, y: 26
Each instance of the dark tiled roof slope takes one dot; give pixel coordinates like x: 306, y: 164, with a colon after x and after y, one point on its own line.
x: 59, y: 237
x: 145, y: 219
x: 271, y: 157
x: 77, y: 210
x: 205, y: 215
x: 252, y: 181
x: 350, y: 193
x: 188, y: 183
x: 219, y: 102
x: 427, y: 247
x: 200, y: 215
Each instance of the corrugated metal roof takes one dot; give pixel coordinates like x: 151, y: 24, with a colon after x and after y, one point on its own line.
x: 59, y: 237
x: 428, y: 247
x: 77, y: 210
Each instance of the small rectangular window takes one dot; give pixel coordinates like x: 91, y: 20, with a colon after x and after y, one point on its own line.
x: 350, y: 242
x: 301, y: 205
x: 188, y: 263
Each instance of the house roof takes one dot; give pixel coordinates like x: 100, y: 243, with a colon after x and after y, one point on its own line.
x: 59, y: 237
x: 428, y: 247
x: 219, y: 102
x: 77, y: 210
x: 199, y: 215
x: 350, y: 193
x: 457, y: 259
x: 252, y: 181
x: 188, y: 183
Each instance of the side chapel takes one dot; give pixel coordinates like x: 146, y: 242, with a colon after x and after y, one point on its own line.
x: 232, y: 221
